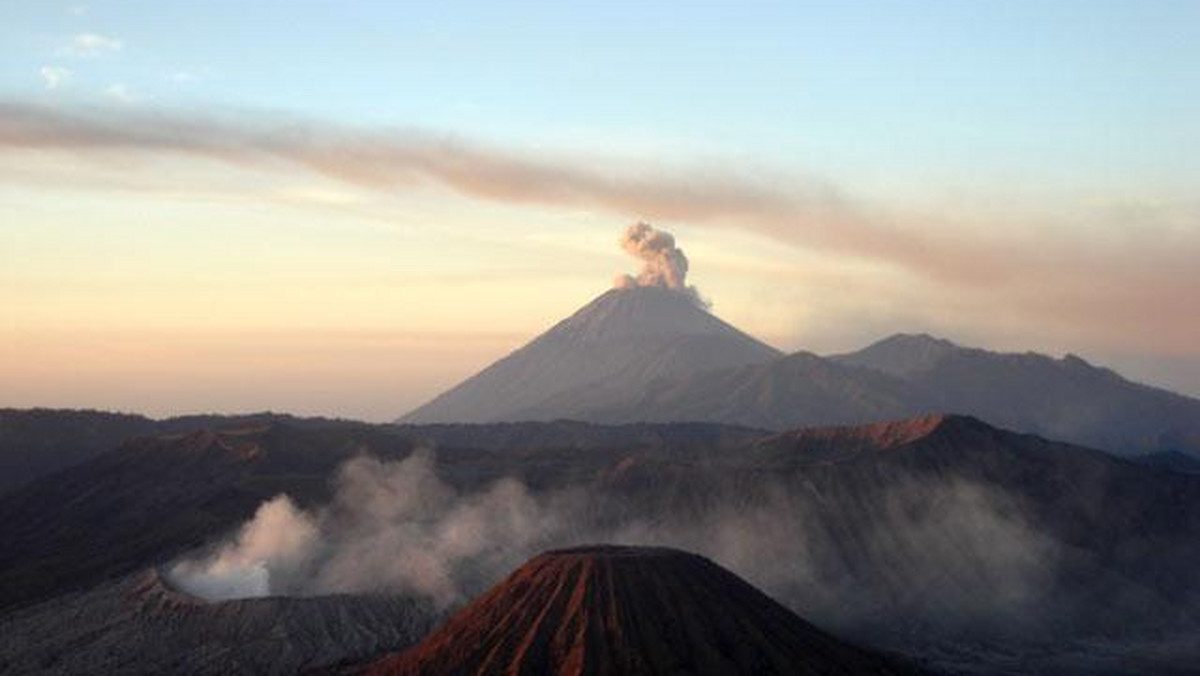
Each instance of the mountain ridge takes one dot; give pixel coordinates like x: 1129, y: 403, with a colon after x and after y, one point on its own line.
x: 1066, y: 399
x: 650, y: 354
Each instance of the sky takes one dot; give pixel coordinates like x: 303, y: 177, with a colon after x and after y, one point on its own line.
x: 341, y: 208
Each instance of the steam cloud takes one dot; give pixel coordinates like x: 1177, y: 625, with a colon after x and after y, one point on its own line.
x: 391, y: 526
x: 664, y: 264
x: 925, y: 551
x: 278, y: 538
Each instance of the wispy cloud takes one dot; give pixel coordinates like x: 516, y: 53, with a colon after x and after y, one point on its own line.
x: 122, y: 93
x: 91, y: 45
x: 54, y: 76
x: 1139, y: 271
x: 78, y: 10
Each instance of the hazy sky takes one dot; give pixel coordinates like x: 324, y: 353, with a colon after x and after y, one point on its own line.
x: 341, y: 208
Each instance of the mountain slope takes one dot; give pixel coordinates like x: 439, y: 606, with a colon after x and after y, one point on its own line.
x: 894, y: 528
x: 628, y: 610
x: 139, y: 625
x: 903, y: 376
x: 900, y: 355
x: 1174, y: 461
x: 37, y: 442
x: 40, y: 441
x: 797, y: 390
x: 1067, y: 399
x: 613, y: 346
x: 154, y: 497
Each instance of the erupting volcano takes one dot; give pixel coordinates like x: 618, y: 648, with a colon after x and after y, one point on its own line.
x: 649, y: 327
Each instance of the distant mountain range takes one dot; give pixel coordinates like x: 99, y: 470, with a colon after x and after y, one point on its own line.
x: 40, y: 441
x: 653, y: 355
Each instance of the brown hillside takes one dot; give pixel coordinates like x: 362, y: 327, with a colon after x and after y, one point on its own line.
x: 628, y: 610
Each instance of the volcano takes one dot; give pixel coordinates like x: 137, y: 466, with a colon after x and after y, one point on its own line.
x: 607, y: 352
x: 629, y: 610
x: 139, y: 624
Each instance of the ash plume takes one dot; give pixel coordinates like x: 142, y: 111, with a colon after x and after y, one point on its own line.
x: 664, y: 264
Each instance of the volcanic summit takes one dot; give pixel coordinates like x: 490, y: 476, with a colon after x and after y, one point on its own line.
x: 628, y: 610
x: 649, y: 327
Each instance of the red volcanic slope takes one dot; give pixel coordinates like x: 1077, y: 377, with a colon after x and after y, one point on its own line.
x: 628, y: 610
x: 874, y: 436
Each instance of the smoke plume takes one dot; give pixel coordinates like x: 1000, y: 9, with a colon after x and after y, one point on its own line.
x: 276, y: 540
x: 663, y: 264
x: 392, y: 527
x: 922, y: 552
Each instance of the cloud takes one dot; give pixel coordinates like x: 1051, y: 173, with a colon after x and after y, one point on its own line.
x: 388, y: 160
x: 78, y: 10
x: 91, y: 45
x: 1130, y: 273
x: 54, y: 76
x: 122, y: 93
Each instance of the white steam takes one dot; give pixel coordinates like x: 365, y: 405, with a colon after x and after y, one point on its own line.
x: 664, y: 264
x: 922, y: 551
x: 277, y: 539
x: 391, y: 527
